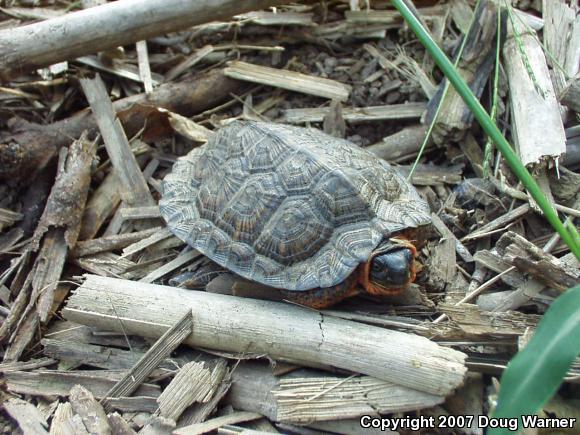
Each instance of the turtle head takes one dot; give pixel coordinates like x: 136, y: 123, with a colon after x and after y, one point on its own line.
x: 391, y: 269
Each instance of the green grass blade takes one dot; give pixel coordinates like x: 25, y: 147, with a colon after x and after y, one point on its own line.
x: 488, y: 126
x: 443, y: 95
x: 535, y: 373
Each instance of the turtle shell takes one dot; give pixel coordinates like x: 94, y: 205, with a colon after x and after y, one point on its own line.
x: 289, y: 207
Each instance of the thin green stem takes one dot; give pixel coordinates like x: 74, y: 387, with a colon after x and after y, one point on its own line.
x: 488, y: 126
x: 443, y: 95
x: 488, y: 144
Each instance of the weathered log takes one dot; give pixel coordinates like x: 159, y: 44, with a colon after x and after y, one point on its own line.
x: 281, y: 331
x: 108, y: 26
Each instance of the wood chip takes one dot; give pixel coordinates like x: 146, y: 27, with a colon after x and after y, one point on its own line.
x: 289, y: 80
x: 498, y: 223
x: 59, y: 383
x: 92, y: 413
x: 61, y: 424
x: 170, y: 266
x: 358, y: 114
x: 216, y: 423
x: 134, y: 187
x: 191, y: 384
x: 28, y: 417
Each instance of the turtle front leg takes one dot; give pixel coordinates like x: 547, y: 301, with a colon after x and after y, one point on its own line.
x: 324, y: 297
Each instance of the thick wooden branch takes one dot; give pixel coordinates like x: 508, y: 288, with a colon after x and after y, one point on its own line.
x: 107, y: 26
x: 281, y: 331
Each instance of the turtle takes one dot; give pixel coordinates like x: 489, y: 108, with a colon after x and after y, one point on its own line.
x: 312, y: 215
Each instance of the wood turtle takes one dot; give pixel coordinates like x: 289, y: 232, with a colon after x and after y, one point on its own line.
x: 296, y: 209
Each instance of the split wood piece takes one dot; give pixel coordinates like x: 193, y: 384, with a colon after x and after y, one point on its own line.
x: 55, y: 234
x: 357, y: 114
x: 38, y: 291
x: 511, y: 301
x: 442, y: 264
x: 145, y: 242
x: 446, y: 233
x: 256, y: 388
x: 543, y: 266
x: 134, y: 404
x: 8, y: 217
x: 103, y: 201
x: 496, y: 263
x: 402, y: 145
x: 343, y: 29
x: 371, y: 16
x: 570, y: 95
x: 92, y: 413
x: 558, y: 275
x: 191, y: 60
x: 61, y: 424
x: 278, y: 18
x: 144, y: 67
x: 111, y: 243
x: 134, y: 189
x: 179, y: 261
x: 75, y: 333
x: 104, y: 357
x: 473, y: 320
x: 10, y: 238
x: 109, y: 264
x: 473, y: 153
x: 191, y: 384
x: 514, y: 193
x: 157, y: 425
x: 186, y: 127
x: 127, y: 71
x: 166, y: 344
x: 216, y: 423
x: 290, y: 80
x: 430, y: 175
x: 234, y: 324
x: 30, y: 146
x: 119, y: 425
x: 561, y: 36
x: 59, y: 383
x: 134, y: 213
x: 108, y: 26
x: 221, y: 382
x: 461, y: 14
x: 32, y: 364
x: 536, y: 121
x: 29, y: 418
x: 498, y: 223
x: 475, y: 66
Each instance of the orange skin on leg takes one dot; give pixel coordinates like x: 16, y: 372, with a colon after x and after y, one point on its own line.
x: 320, y: 298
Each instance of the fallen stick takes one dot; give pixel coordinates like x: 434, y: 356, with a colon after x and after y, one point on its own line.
x: 101, y: 28
x: 281, y: 331
x: 30, y: 146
